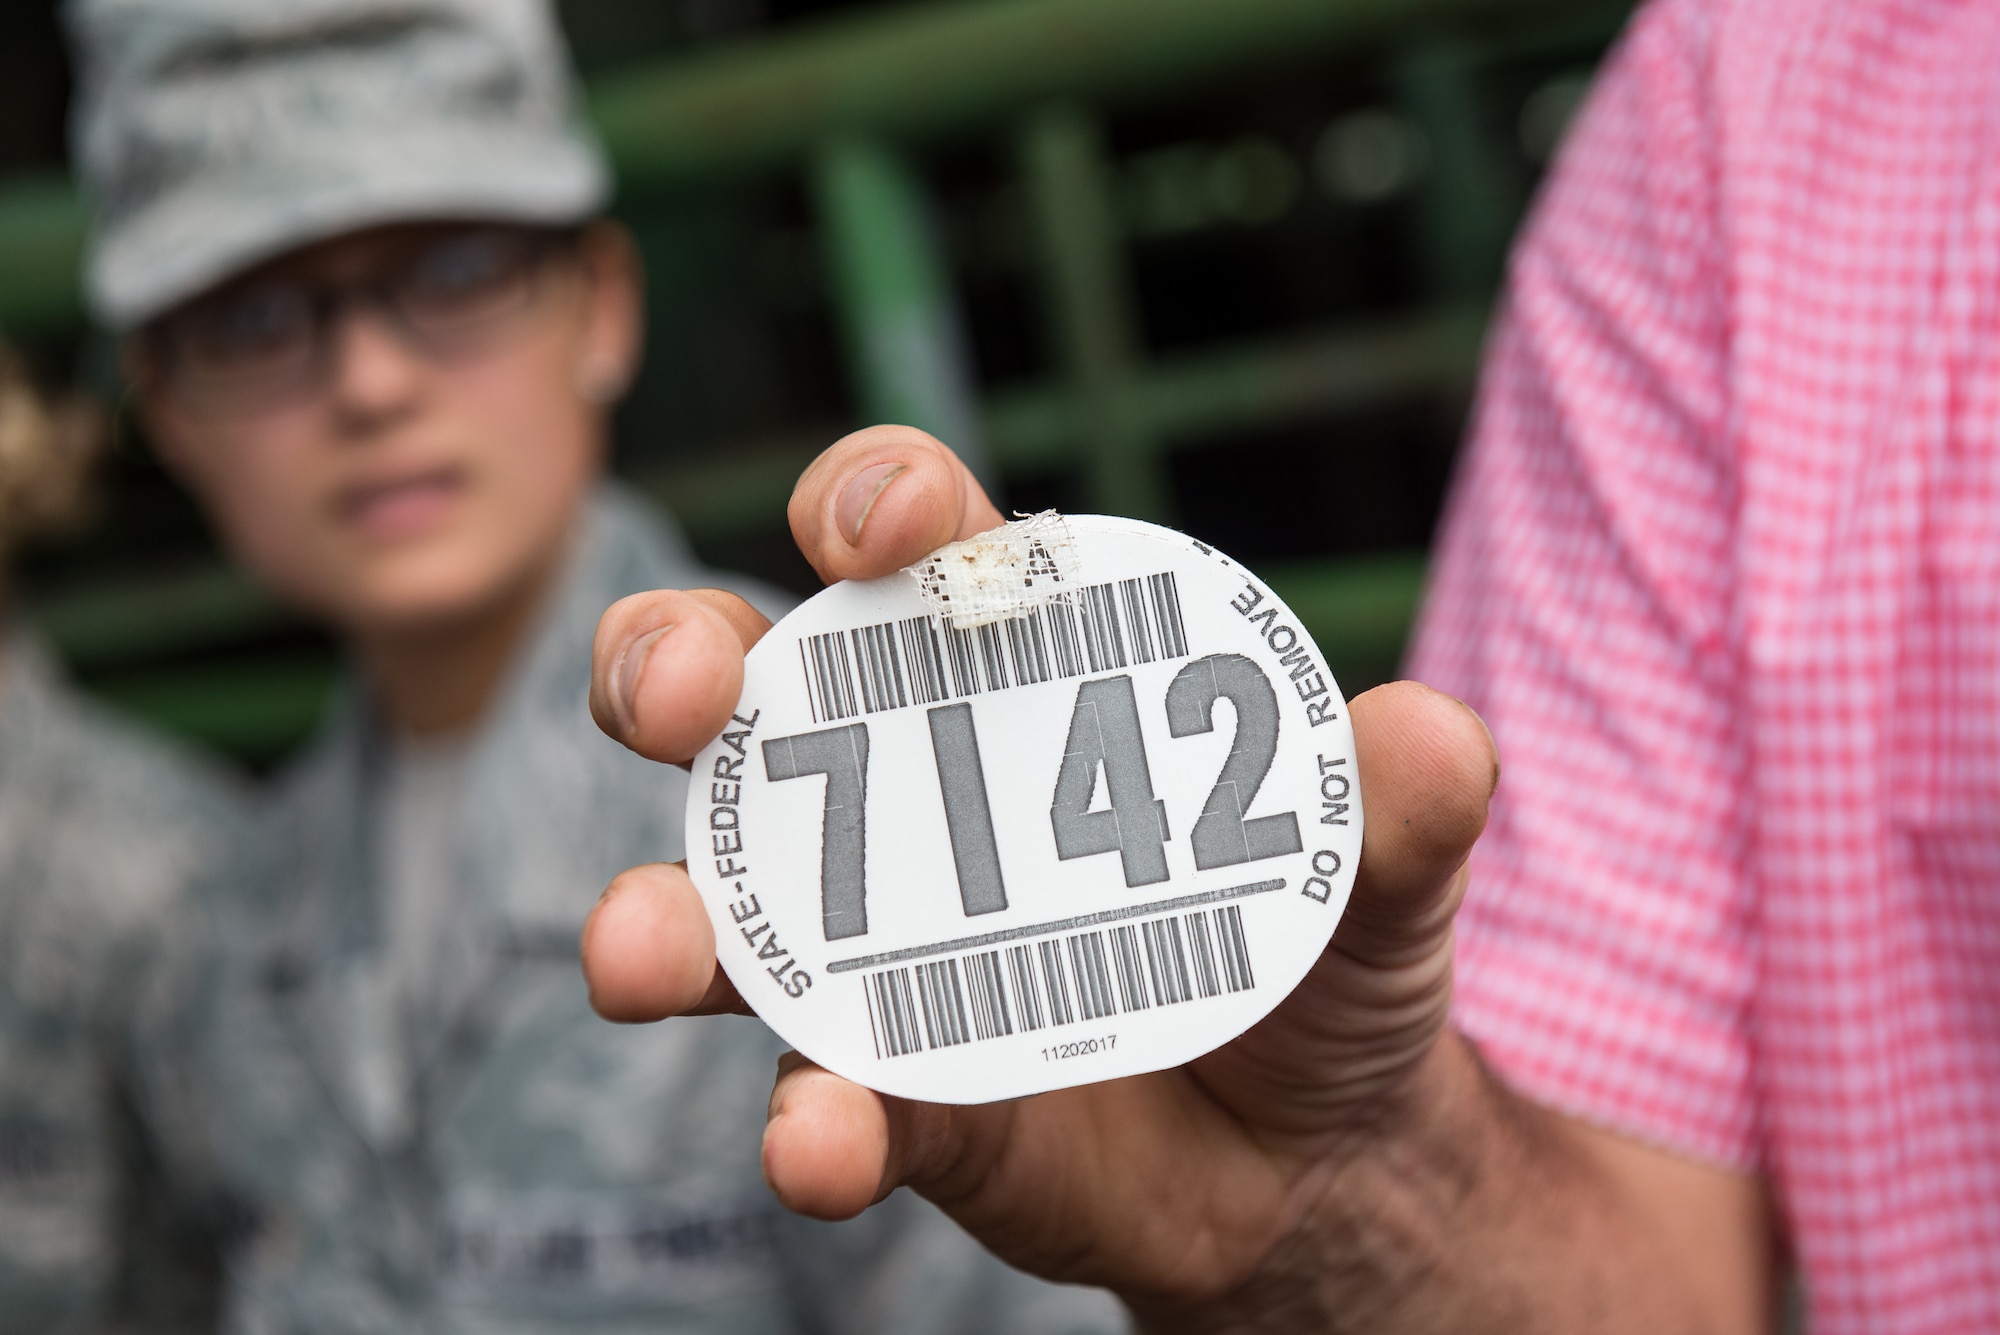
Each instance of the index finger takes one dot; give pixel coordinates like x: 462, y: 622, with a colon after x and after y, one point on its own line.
x: 666, y: 668
x: 884, y: 498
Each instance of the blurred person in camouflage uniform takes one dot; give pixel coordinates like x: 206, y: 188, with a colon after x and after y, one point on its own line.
x: 374, y: 322
x: 104, y: 837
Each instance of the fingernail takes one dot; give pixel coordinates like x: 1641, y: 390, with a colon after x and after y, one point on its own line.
x: 631, y: 667
x: 858, y: 499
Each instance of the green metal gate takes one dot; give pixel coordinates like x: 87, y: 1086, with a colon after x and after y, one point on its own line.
x: 850, y: 110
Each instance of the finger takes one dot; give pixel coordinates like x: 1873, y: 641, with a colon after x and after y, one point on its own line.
x: 649, y: 950
x: 1099, y: 1184
x: 1428, y: 768
x: 667, y: 669
x: 882, y: 499
x: 826, y: 1145
x: 748, y: 623
x: 832, y: 1148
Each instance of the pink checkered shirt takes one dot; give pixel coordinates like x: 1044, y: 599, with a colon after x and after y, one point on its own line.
x: 1722, y: 572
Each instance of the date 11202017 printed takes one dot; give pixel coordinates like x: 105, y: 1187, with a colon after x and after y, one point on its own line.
x: 1083, y: 1047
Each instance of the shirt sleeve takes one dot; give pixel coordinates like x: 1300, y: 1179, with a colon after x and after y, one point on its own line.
x: 1581, y: 601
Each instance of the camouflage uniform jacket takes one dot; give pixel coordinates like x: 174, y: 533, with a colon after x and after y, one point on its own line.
x: 530, y: 1167
x: 105, y: 836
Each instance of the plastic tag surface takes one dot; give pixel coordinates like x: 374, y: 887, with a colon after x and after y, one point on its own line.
x: 1100, y: 838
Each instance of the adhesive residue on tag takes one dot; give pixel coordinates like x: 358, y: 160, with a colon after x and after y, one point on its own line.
x: 1004, y: 572
x: 1097, y: 825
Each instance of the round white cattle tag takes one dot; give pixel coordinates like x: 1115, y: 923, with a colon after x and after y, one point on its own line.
x: 1085, y: 809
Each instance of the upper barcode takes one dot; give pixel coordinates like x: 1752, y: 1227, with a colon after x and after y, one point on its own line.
x: 922, y: 660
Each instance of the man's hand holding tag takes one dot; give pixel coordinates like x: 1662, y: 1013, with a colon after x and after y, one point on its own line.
x: 1174, y: 1188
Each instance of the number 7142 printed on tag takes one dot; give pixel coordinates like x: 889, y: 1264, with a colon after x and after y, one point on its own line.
x: 970, y: 858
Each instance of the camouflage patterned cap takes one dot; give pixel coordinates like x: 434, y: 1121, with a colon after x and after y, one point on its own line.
x: 214, y: 134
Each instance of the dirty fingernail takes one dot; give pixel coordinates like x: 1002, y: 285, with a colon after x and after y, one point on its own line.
x: 631, y: 667
x: 858, y: 498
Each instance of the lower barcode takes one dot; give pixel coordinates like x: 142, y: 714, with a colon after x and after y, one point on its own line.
x: 1061, y: 980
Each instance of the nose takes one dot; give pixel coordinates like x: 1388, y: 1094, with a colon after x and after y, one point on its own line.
x: 373, y: 375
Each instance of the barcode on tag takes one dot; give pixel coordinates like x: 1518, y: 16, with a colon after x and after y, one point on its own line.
x: 1057, y: 981
x: 921, y: 660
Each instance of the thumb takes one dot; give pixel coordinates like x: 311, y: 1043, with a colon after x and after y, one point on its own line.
x: 1428, y: 770
x: 1377, y: 999
x: 884, y: 498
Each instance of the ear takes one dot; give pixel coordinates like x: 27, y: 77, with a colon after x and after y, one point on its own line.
x: 614, y: 329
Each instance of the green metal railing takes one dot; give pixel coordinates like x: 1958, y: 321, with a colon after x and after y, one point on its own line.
x: 915, y: 73
x: 893, y: 290
x: 843, y: 103
x: 41, y: 249
x: 910, y: 74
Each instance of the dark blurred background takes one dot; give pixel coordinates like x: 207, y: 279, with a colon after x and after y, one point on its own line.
x: 1220, y: 263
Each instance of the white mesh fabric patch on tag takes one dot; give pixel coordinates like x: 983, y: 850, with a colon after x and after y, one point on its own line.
x: 1007, y: 572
